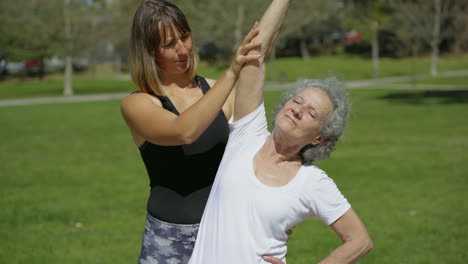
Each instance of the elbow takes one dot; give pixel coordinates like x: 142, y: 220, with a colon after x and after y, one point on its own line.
x: 184, y: 134
x: 367, y: 245
x: 368, y: 242
x: 188, y: 137
x: 173, y: 139
x: 370, y: 245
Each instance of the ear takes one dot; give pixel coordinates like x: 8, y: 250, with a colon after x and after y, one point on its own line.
x: 319, y: 139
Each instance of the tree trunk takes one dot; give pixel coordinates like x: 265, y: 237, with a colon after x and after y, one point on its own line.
x: 118, y: 64
x: 435, y: 38
x: 375, y: 50
x: 68, y: 89
x: 67, y: 86
x: 304, y: 51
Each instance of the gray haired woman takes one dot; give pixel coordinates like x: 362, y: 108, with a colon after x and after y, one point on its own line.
x: 334, y: 125
x: 268, y: 183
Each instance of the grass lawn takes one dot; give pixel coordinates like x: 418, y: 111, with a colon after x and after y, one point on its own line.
x: 456, y: 81
x: 73, y: 188
x: 350, y: 67
x: 284, y: 69
x: 24, y: 88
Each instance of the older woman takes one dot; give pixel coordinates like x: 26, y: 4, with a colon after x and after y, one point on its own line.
x: 267, y: 182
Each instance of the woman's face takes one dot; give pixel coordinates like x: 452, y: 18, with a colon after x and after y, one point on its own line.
x: 175, y: 52
x: 302, y: 117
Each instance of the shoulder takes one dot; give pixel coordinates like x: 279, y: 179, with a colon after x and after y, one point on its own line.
x: 138, y: 99
x: 316, y: 177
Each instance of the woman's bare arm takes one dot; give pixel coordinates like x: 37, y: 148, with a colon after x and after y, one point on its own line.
x: 356, y: 240
x: 252, y: 76
x: 146, y: 117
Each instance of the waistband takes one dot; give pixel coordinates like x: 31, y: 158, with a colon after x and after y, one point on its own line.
x: 171, y: 231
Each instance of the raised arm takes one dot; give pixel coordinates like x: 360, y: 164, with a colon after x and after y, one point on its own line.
x: 252, y: 75
x: 147, y: 118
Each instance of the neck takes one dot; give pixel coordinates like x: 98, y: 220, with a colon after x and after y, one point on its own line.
x: 280, y: 152
x: 176, y: 81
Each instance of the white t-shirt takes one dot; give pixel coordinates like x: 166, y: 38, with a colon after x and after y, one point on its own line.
x: 245, y: 219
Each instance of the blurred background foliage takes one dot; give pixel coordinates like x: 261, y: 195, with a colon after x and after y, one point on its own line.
x: 100, y: 29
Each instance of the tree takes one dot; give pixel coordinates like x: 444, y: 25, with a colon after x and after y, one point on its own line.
x: 67, y: 80
x: 312, y: 21
x: 30, y: 30
x: 369, y: 17
x: 222, y: 22
x: 419, y: 22
x: 460, y: 26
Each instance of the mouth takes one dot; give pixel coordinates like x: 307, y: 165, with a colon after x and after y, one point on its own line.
x: 291, y: 119
x: 182, y: 61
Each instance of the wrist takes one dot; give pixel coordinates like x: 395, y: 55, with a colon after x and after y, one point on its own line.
x: 232, y: 72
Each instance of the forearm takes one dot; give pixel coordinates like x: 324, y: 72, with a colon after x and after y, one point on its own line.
x: 349, y: 252
x: 252, y: 75
x: 270, y: 24
x: 199, y: 116
x: 191, y: 123
x: 147, y: 118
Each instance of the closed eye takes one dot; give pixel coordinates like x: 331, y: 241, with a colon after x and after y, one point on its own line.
x: 169, y: 44
x: 185, y: 37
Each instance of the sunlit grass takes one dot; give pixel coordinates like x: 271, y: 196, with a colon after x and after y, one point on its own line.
x: 73, y: 188
x: 348, y: 68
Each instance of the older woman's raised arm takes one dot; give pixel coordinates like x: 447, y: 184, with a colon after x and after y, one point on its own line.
x: 252, y: 76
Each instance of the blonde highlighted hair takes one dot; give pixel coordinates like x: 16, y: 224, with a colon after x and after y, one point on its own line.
x: 151, y: 22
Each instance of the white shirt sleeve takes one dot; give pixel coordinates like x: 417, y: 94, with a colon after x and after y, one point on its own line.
x: 249, y: 127
x: 328, y: 203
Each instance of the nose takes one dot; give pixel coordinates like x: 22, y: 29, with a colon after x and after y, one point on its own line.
x: 297, y: 112
x: 181, y: 48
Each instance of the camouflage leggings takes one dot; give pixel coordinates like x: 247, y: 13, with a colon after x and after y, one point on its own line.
x: 167, y: 243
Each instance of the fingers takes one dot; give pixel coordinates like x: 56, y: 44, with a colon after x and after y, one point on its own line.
x: 248, y: 47
x: 248, y: 58
x: 252, y: 33
x: 272, y: 260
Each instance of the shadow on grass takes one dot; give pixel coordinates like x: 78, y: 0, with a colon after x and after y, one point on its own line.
x: 429, y: 96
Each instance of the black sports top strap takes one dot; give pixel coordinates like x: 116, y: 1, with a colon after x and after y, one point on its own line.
x: 167, y: 104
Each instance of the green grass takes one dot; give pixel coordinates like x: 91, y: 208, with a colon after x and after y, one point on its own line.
x: 350, y: 67
x: 284, y: 69
x: 22, y: 88
x: 455, y: 81
x: 73, y: 188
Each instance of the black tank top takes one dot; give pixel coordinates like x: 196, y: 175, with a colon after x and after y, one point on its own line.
x: 181, y: 176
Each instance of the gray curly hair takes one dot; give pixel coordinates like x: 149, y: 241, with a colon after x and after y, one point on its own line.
x: 334, y: 124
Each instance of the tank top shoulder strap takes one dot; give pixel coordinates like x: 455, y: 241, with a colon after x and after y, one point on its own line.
x: 166, y: 103
x: 203, y: 84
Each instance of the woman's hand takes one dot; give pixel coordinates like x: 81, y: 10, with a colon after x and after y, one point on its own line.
x: 241, y: 57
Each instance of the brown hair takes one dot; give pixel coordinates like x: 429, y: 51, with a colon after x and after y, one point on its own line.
x: 149, y: 29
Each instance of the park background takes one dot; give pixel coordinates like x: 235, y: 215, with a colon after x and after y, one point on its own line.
x: 73, y: 188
